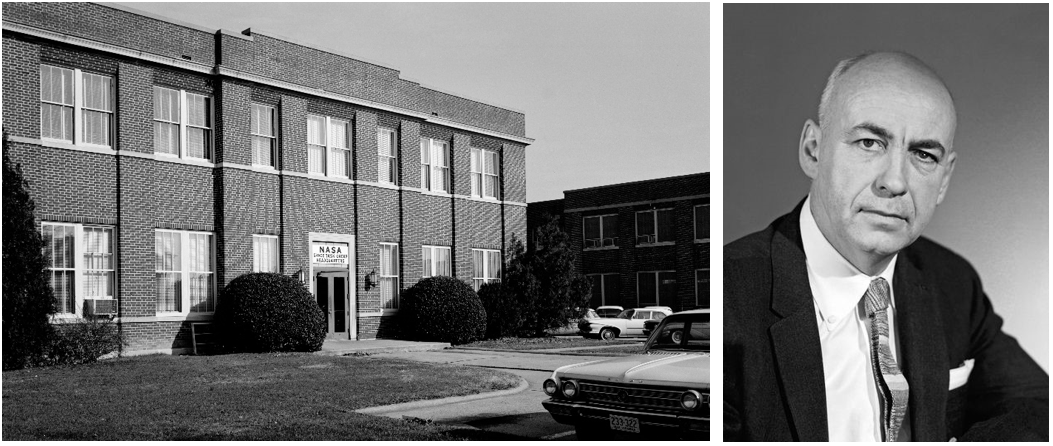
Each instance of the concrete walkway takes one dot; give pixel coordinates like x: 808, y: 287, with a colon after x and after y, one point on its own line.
x: 343, y: 347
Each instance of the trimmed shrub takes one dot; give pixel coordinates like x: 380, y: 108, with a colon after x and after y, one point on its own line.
x: 504, y: 315
x: 82, y: 342
x: 269, y: 312
x: 442, y: 309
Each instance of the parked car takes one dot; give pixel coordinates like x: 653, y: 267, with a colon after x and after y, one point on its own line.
x: 628, y: 323
x: 609, y: 310
x: 663, y: 392
x: 573, y: 325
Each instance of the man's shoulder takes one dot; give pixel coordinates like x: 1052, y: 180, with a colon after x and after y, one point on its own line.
x: 937, y: 260
x: 754, y: 246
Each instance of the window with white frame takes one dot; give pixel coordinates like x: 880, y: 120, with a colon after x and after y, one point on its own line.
x: 702, y: 288
x: 436, y: 261
x: 389, y: 276
x: 76, y: 107
x: 606, y: 289
x: 434, y: 165
x: 485, y: 180
x: 264, y: 253
x: 185, y: 272
x: 81, y: 269
x: 655, y: 226
x: 655, y: 288
x: 486, y: 267
x: 702, y: 222
x: 182, y: 123
x: 387, y: 156
x: 600, y: 231
x: 264, y: 145
x: 328, y: 146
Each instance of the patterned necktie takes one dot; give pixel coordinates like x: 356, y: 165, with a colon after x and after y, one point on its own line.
x: 891, y: 384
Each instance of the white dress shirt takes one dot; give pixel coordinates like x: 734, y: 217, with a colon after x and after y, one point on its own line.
x: 853, y: 407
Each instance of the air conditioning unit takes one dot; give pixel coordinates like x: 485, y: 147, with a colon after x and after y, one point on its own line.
x: 641, y: 239
x: 610, y: 241
x: 592, y: 243
x: 100, y: 307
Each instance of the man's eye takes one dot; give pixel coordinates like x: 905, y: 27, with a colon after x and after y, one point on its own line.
x: 870, y: 144
x: 926, y: 156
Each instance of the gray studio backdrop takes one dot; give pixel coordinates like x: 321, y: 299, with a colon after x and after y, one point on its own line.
x: 994, y: 59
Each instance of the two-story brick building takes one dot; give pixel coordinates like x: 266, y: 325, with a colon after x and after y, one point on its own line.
x: 166, y: 160
x: 640, y: 243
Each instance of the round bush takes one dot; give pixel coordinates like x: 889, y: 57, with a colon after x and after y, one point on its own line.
x: 442, y: 309
x: 268, y: 312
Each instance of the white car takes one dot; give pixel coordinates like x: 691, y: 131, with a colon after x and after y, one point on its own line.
x: 661, y: 393
x: 628, y: 323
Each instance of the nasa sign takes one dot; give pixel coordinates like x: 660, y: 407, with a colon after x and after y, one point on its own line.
x: 329, y: 253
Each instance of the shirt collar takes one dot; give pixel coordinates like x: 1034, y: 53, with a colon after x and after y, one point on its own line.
x: 840, y: 285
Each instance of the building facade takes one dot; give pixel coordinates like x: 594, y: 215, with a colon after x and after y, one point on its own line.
x: 165, y: 160
x: 641, y: 243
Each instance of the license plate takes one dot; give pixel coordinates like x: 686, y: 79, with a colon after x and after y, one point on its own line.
x: 625, y: 424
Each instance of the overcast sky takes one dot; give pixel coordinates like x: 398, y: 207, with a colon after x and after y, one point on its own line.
x: 612, y: 92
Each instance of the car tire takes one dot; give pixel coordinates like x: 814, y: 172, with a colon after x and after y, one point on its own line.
x: 677, y: 336
x: 608, y: 334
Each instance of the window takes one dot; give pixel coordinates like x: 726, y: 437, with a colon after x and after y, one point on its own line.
x: 328, y: 147
x: 263, y: 139
x: 485, y: 181
x: 436, y: 261
x: 434, y: 165
x: 654, y: 226
x: 606, y: 289
x: 75, y: 107
x: 486, y: 267
x: 656, y: 288
x: 182, y: 124
x: 387, y: 156
x: 81, y: 268
x: 702, y: 222
x: 264, y: 253
x: 184, y: 272
x: 601, y: 231
x: 702, y: 288
x: 389, y: 276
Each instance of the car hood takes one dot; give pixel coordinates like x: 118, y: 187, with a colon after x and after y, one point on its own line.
x: 664, y: 369
x: 612, y: 321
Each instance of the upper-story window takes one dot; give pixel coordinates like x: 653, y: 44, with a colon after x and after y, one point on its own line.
x: 702, y: 222
x: 485, y: 180
x: 600, y: 231
x: 328, y: 146
x: 264, y: 253
x: 436, y: 261
x: 81, y: 267
x: 182, y: 124
x: 434, y: 165
x: 387, y: 156
x: 264, y: 144
x: 655, y: 226
x: 76, y: 107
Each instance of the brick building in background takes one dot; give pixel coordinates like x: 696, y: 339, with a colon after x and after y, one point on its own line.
x: 166, y: 160
x: 641, y: 243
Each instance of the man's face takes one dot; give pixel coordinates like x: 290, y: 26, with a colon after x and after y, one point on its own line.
x: 884, y: 159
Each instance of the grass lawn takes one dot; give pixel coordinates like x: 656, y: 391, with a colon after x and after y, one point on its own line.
x: 621, y: 350
x: 288, y: 396
x: 548, y: 343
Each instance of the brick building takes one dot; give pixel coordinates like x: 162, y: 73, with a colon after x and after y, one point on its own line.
x: 166, y: 160
x: 641, y: 243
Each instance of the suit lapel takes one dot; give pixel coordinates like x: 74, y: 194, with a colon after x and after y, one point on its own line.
x: 924, y: 352
x: 795, y: 338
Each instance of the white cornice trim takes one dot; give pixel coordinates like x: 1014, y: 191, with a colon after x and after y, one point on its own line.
x: 635, y: 203
x: 105, y: 47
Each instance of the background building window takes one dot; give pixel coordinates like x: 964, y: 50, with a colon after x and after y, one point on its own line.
x: 389, y: 276
x: 316, y: 144
x: 606, y: 289
x: 486, y: 267
x: 166, y: 121
x: 184, y: 272
x: 600, y: 231
x: 182, y: 123
x: 485, y: 180
x: 655, y: 226
x: 263, y: 140
x: 387, y: 156
x: 656, y: 288
x: 328, y: 151
x: 80, y: 266
x: 436, y: 261
x: 265, y: 253
x: 702, y: 288
x: 434, y: 165
x: 702, y: 222
x: 76, y: 107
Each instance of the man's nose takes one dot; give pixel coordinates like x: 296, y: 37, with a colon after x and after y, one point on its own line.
x: 891, y: 181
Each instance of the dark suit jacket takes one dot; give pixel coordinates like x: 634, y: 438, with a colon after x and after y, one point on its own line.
x: 774, y: 388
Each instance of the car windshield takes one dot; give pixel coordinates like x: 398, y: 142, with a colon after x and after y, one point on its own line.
x: 591, y: 314
x: 687, y: 333
x: 627, y: 314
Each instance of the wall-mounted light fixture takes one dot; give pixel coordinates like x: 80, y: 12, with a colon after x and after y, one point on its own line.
x: 371, y: 279
x: 299, y: 276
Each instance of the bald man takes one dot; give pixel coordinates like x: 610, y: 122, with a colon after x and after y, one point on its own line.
x: 842, y: 323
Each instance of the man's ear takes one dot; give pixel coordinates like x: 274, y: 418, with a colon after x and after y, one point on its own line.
x: 947, y: 176
x: 808, y: 151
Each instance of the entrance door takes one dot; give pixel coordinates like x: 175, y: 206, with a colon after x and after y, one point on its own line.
x: 331, y: 289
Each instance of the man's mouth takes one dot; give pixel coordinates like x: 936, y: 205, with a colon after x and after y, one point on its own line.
x: 886, y: 214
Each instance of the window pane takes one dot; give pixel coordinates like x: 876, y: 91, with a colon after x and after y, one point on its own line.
x: 701, y: 222
x: 597, y: 291
x: 96, y: 127
x: 316, y: 159
x: 495, y: 265
x: 646, y: 289
x: 166, y: 138
x: 442, y: 262
x: 490, y: 166
x: 261, y: 150
x: 427, y: 267
x: 477, y: 263
x: 316, y: 130
x: 62, y: 286
x: 475, y: 161
x: 96, y: 92
x: 338, y: 133
x: 592, y: 230
x: 612, y: 284
x: 199, y: 143
x: 666, y: 288
x: 702, y: 288
x: 645, y: 227
x: 666, y: 228
x: 490, y: 189
x: 610, y: 227
x: 339, y: 160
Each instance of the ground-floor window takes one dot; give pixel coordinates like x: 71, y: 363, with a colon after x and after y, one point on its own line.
x: 606, y: 289
x: 184, y: 262
x: 389, y: 276
x: 436, y: 261
x: 486, y: 267
x: 265, y: 253
x: 702, y: 288
x: 81, y: 267
x: 656, y: 288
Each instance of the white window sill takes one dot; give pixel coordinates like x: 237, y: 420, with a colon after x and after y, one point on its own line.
x: 63, y: 144
x: 436, y: 194
x: 385, y: 312
x: 264, y: 168
x: 648, y: 245
x: 602, y: 248
x: 701, y: 240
